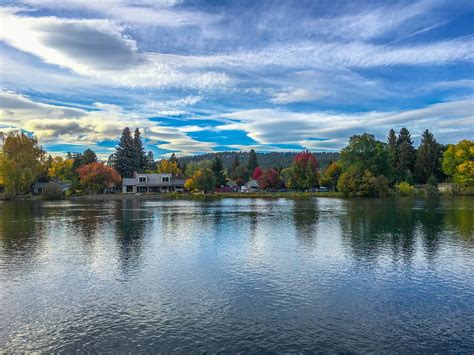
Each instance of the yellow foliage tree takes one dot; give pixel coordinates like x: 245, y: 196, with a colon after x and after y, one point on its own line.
x: 61, y: 169
x: 458, y: 162
x: 21, y: 162
x: 166, y: 166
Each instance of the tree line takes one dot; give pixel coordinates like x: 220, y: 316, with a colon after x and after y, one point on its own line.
x: 365, y: 167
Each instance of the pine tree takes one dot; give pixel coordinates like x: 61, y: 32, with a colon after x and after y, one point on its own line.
x: 253, y: 162
x: 235, y: 167
x: 427, y: 158
x: 405, y: 158
x: 140, y: 156
x: 218, y: 171
x: 150, y: 161
x: 125, y: 155
x: 88, y: 157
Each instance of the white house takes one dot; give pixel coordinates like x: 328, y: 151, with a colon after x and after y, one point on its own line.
x: 152, y: 183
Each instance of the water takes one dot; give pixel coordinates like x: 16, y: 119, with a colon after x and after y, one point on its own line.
x: 252, y: 275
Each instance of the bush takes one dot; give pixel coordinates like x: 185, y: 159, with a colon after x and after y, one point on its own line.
x: 52, y: 192
x: 404, y: 188
x: 359, y: 183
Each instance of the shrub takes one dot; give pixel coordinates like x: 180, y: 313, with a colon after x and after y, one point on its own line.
x: 52, y: 192
x: 404, y: 188
x: 359, y: 183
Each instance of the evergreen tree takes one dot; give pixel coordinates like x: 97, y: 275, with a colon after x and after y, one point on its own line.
x: 140, y: 156
x: 125, y: 155
x: 88, y: 157
x: 392, y: 148
x: 218, y: 171
x: 235, y: 167
x: 253, y: 162
x: 405, y: 158
x: 427, y: 158
x: 150, y: 161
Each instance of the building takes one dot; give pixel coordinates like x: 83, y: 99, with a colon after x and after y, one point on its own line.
x: 250, y: 186
x: 152, y: 183
x: 39, y: 187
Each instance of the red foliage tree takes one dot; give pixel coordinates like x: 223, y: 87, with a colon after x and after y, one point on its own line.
x: 270, y: 179
x: 257, y: 173
x: 97, y: 176
x: 305, y: 171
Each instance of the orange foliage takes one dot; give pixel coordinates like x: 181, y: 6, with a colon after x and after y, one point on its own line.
x: 97, y: 176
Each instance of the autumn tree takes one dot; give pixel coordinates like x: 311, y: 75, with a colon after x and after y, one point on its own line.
x: 304, y: 171
x: 61, y: 169
x: 218, y: 170
x: 427, y: 161
x: 270, y: 179
x: 331, y: 175
x: 257, y: 173
x: 202, y: 180
x: 166, y: 166
x: 21, y: 162
x: 97, y: 176
x: 458, y: 163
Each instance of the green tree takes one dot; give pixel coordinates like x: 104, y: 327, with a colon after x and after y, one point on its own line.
x: 218, y: 171
x: 88, y: 157
x: 21, y: 162
x: 405, y: 158
x: 362, y: 183
x: 392, y: 149
x: 458, y: 163
x: 366, y: 153
x: 202, y: 180
x: 125, y: 157
x: 150, y: 161
x: 253, y: 162
x: 192, y: 167
x: 427, y: 161
x: 140, y: 155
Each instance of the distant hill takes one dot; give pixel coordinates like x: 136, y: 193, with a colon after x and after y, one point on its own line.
x: 265, y: 160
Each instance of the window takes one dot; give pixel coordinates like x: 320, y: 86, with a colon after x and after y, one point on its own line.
x: 165, y: 179
x: 129, y: 188
x: 142, y: 179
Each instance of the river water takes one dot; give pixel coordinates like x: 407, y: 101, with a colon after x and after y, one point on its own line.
x: 251, y: 275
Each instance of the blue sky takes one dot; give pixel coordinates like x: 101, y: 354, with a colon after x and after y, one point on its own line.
x: 203, y: 76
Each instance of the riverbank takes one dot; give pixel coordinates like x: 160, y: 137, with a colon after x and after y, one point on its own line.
x: 190, y: 196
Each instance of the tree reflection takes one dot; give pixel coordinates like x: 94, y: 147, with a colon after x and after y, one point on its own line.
x: 21, y: 230
x: 305, y: 219
x: 376, y: 225
x: 459, y: 216
x: 131, y: 220
x: 430, y: 217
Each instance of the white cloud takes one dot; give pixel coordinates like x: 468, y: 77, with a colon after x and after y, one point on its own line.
x: 449, y: 120
x: 61, y: 125
x: 99, y: 49
x: 296, y: 95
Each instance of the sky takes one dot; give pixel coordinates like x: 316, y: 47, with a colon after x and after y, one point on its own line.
x: 207, y: 76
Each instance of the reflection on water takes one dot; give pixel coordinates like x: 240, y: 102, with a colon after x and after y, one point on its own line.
x: 238, y: 275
